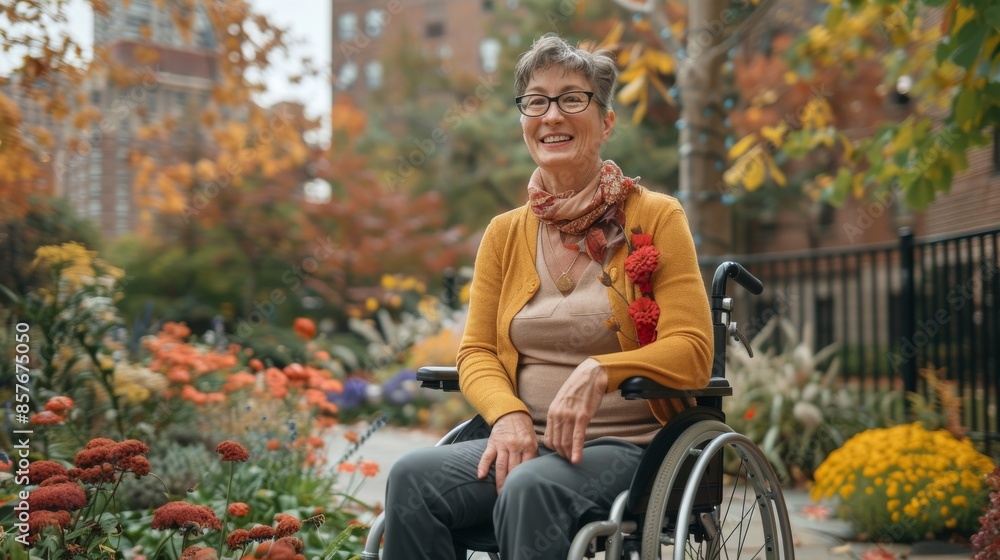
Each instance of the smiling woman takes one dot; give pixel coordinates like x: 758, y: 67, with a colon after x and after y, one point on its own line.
x: 562, y: 310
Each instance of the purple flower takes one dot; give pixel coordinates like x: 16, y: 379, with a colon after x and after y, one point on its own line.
x: 399, y: 390
x: 352, y: 396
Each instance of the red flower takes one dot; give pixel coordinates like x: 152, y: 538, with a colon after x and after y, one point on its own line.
x: 92, y: 456
x: 58, y: 479
x: 59, y: 405
x: 238, y: 538
x: 182, y: 515
x: 305, y: 328
x: 128, y: 449
x: 641, y: 239
x: 195, y: 552
x: 640, y: 265
x: 39, y: 471
x: 261, y: 533
x: 239, y: 509
x: 67, y: 496
x: 138, y: 465
x: 37, y: 520
x: 645, y: 314
x: 99, y: 442
x: 750, y: 413
x: 232, y: 451
x: 45, y: 418
x: 287, y: 525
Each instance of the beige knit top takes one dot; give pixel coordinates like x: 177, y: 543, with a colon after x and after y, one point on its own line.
x: 553, y: 333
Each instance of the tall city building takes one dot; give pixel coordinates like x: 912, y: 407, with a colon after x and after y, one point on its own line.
x: 141, y: 36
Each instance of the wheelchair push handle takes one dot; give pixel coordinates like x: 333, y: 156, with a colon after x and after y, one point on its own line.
x: 743, y: 277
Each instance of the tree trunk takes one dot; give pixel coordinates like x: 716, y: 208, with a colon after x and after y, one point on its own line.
x: 702, y: 138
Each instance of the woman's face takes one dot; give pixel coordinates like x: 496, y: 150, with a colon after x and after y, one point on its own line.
x: 558, y: 141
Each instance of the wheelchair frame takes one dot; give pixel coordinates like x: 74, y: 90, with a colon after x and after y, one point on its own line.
x: 676, y: 494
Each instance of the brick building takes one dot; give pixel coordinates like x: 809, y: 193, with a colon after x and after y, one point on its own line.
x: 456, y: 35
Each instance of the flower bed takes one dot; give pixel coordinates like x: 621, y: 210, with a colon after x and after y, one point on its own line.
x: 906, y: 483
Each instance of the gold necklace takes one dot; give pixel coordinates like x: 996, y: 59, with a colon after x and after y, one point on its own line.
x: 564, y: 283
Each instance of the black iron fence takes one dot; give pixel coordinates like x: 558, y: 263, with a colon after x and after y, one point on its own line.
x: 893, y: 309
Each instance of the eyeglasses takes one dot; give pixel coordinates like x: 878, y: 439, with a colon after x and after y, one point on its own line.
x: 570, y: 102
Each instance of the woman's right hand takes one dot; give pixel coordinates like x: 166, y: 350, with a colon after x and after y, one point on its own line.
x: 512, y: 442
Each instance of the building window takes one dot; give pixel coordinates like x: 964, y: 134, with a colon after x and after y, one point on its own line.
x: 348, y: 75
x: 373, y: 74
x: 489, y: 54
x: 347, y: 26
x: 374, y: 22
x: 435, y: 29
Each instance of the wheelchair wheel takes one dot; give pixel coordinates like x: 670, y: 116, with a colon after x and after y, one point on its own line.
x: 697, y: 515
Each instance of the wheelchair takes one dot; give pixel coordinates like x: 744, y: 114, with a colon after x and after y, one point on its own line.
x: 700, y: 491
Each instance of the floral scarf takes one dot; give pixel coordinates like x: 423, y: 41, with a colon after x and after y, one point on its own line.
x: 595, y: 210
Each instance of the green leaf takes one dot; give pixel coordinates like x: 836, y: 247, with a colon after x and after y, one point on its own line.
x: 992, y: 14
x: 338, y: 542
x: 936, y: 3
x: 943, y: 51
x: 970, y: 43
x: 841, y: 186
x: 919, y: 194
x: 965, y: 108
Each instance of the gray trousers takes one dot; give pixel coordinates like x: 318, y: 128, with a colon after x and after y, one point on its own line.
x: 436, y: 507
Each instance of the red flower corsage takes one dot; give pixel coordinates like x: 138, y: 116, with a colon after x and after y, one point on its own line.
x: 640, y: 265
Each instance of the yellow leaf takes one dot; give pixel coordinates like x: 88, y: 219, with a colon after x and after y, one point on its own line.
x: 848, y: 147
x: 631, y: 92
x: 640, y: 109
x: 791, y: 78
x: 776, y: 173
x: 753, y: 177
x: 775, y: 134
x: 742, y: 146
x: 659, y: 61
x: 963, y: 15
x: 857, y: 186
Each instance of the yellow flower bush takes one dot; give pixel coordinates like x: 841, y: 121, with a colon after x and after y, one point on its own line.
x: 906, y: 483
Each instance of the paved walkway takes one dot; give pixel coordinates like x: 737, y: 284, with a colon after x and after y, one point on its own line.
x: 814, y: 538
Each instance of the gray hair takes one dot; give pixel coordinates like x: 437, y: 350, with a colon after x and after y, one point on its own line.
x: 551, y: 50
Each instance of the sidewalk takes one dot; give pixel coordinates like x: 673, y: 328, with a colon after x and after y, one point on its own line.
x: 814, y: 539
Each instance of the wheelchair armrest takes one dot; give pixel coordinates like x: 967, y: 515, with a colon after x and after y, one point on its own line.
x: 440, y: 378
x: 646, y: 388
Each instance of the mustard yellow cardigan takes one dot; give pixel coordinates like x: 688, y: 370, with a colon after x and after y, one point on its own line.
x: 505, y: 279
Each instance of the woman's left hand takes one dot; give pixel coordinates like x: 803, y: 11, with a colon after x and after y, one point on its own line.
x: 574, y: 405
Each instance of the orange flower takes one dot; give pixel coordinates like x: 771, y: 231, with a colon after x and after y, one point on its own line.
x: 346, y: 467
x: 273, y: 445
x: 368, y: 468
x: 316, y: 441
x: 239, y: 509
x: 256, y: 364
x: 351, y: 436
x: 322, y: 355
x: 59, y: 405
x: 305, y: 328
x: 287, y: 525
